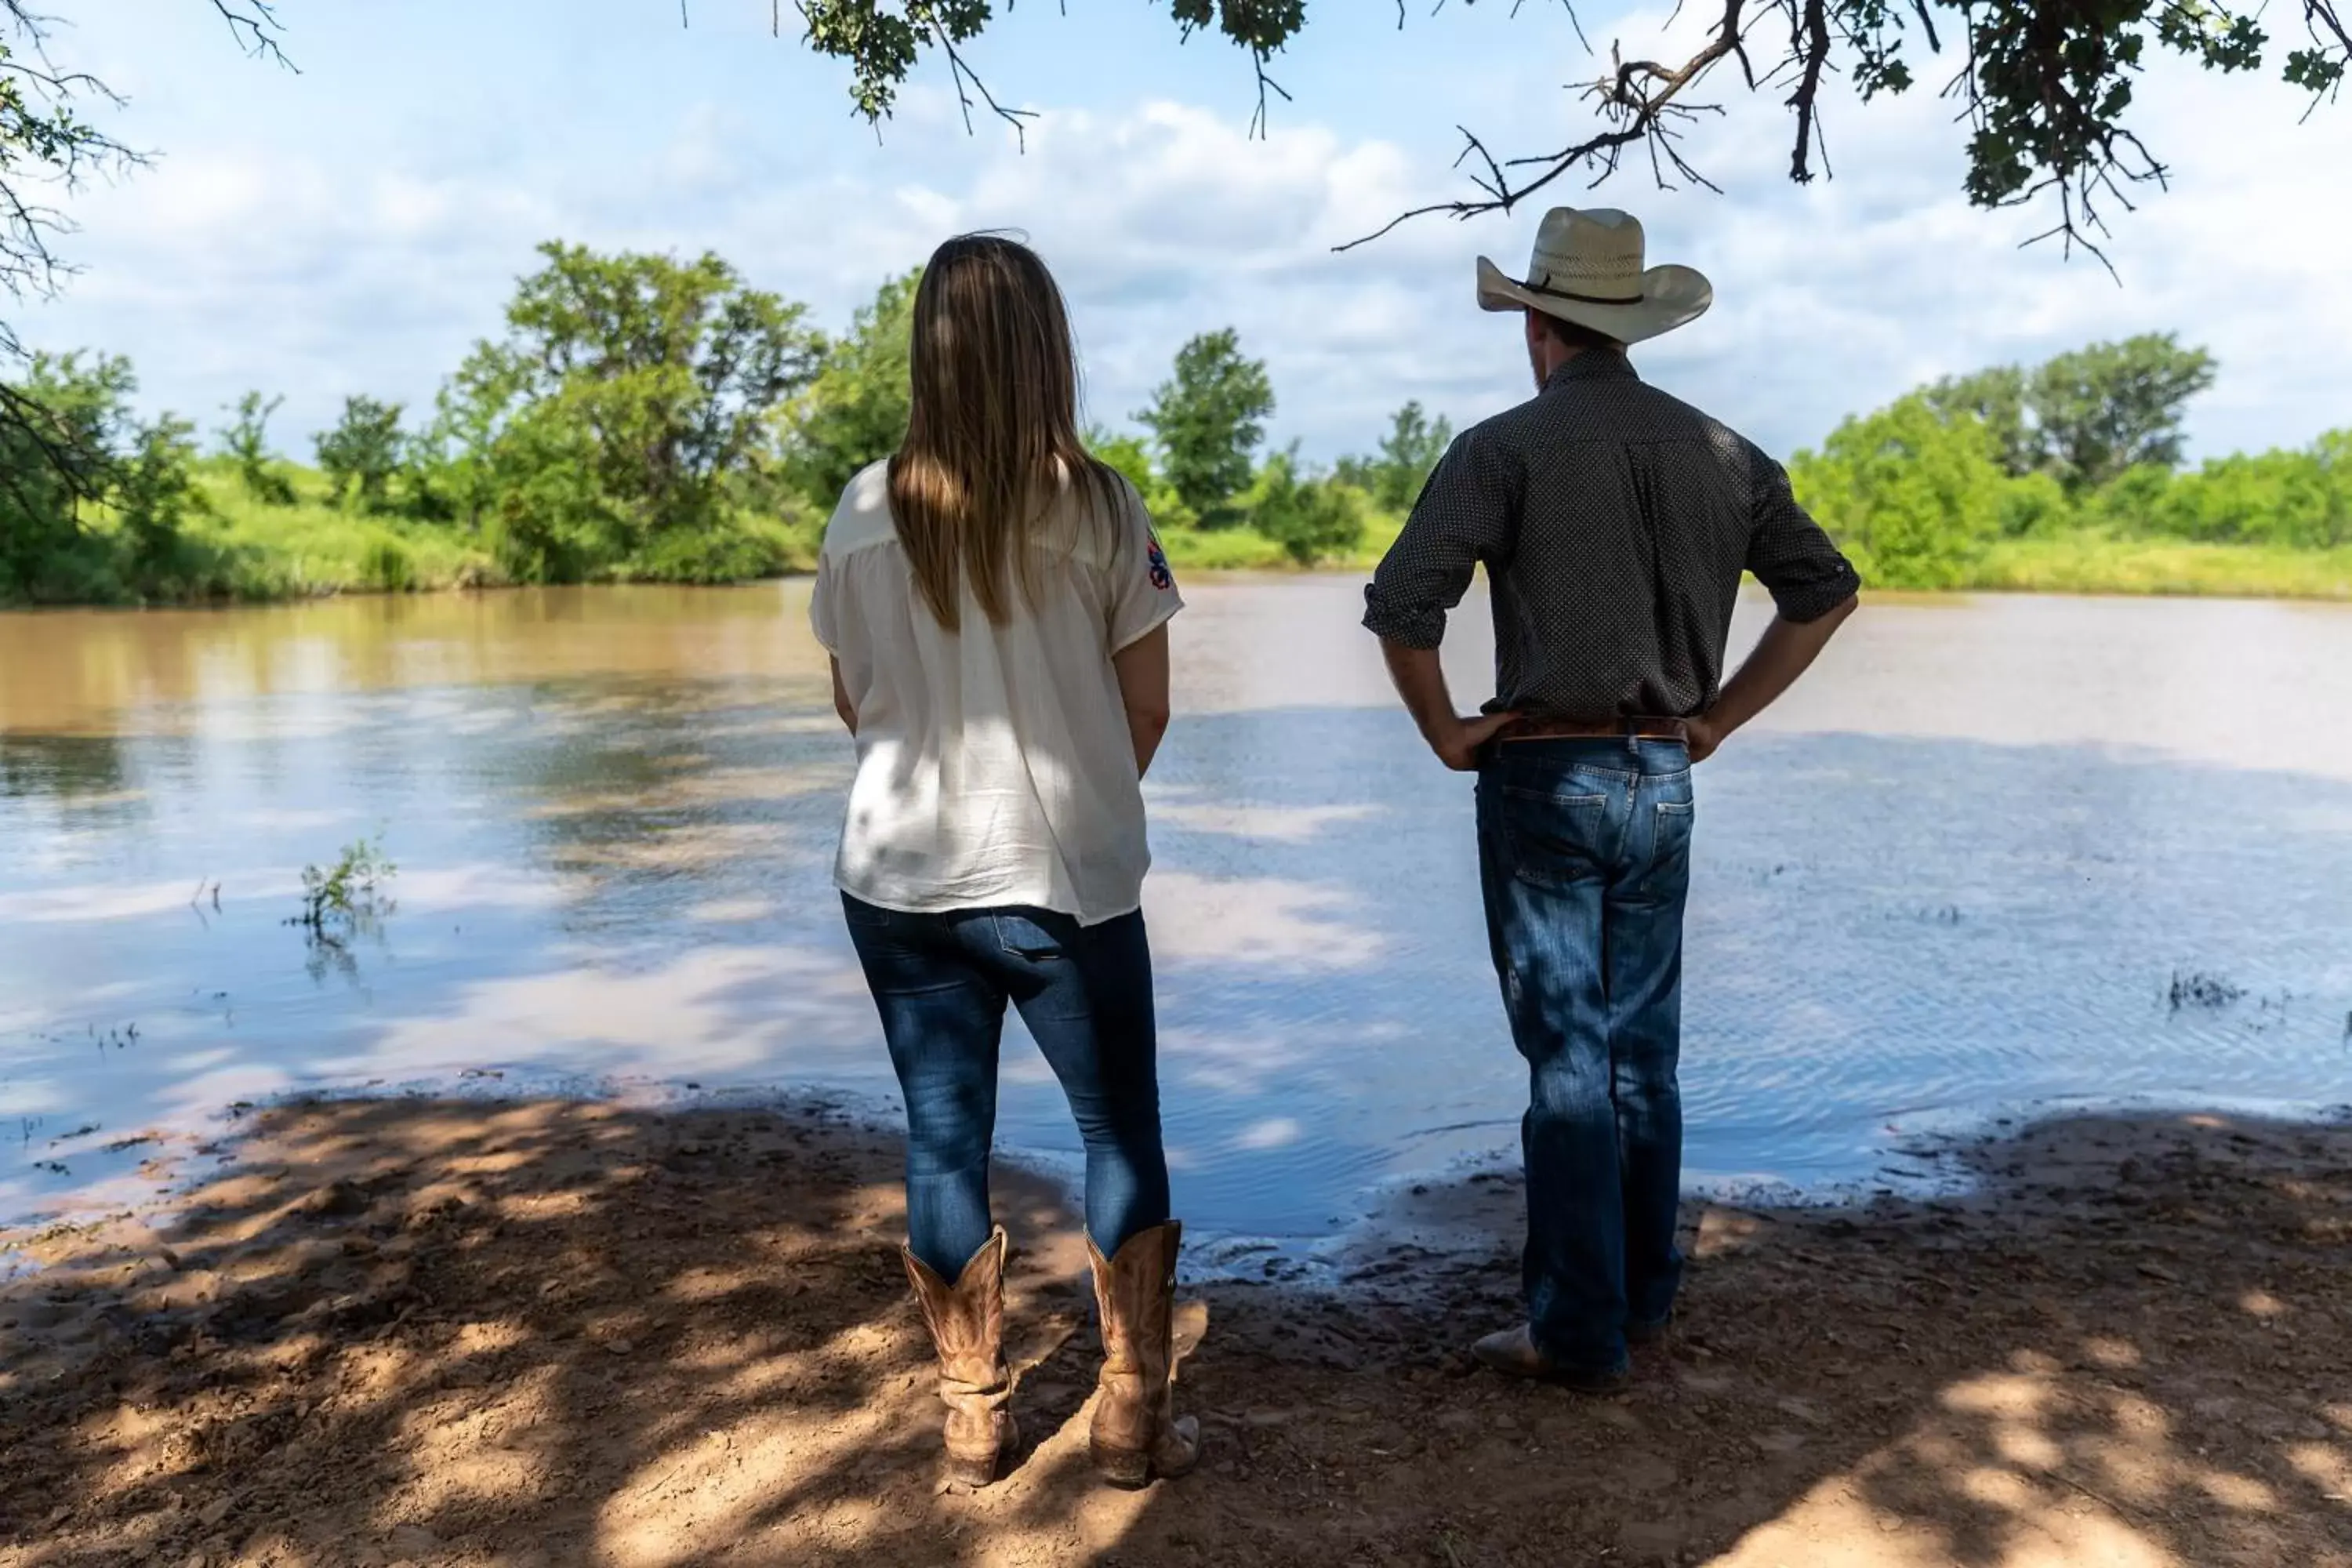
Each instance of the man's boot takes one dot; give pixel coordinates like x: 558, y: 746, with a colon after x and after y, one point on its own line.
x: 1134, y: 1435
x: 966, y: 1323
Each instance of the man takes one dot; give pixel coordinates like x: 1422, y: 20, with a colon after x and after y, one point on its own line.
x: 1614, y: 523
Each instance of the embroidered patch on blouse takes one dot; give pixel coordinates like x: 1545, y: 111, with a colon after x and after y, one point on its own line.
x: 1161, y: 578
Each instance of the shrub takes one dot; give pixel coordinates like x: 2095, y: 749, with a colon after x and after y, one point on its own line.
x: 1311, y: 518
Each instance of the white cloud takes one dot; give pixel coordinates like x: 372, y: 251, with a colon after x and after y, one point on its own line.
x: 264, y: 257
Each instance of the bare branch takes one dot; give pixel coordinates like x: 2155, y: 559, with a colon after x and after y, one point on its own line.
x: 1258, y: 124
x: 967, y: 82
x: 1640, y: 100
x: 1815, y: 55
x: 255, y: 26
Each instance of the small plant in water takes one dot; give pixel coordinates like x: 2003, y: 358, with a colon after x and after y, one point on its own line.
x: 345, y: 898
x: 2202, y: 990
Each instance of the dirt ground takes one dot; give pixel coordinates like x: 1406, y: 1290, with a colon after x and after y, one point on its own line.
x: 556, y: 1333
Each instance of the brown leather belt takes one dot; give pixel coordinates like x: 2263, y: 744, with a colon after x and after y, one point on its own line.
x: 1631, y: 728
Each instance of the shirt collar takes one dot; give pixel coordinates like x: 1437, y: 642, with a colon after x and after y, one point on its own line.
x: 1594, y: 364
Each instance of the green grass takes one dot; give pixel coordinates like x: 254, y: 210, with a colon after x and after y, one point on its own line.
x: 2078, y: 562
x: 1245, y: 550
x: 2088, y: 563
x: 314, y: 547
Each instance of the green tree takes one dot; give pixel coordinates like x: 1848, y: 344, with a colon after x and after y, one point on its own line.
x: 1312, y: 517
x: 1208, y: 418
x: 363, y: 453
x: 854, y: 412
x: 245, y: 440
x: 106, y: 525
x: 1132, y: 458
x: 2043, y: 90
x: 154, y: 496
x: 604, y: 432
x: 1913, y: 496
x: 2112, y: 407
x: 1407, y: 453
x: 2294, y: 500
x: 56, y: 455
x: 1996, y: 397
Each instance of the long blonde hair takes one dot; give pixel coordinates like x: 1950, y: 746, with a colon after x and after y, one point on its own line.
x: 992, y: 431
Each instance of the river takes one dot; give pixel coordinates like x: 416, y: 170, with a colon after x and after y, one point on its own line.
x: 1997, y: 854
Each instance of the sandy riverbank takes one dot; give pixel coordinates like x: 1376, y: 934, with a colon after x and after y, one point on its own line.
x: 555, y: 1333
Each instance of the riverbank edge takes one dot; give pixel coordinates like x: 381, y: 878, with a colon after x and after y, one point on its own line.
x: 511, y: 1328
x: 2068, y: 566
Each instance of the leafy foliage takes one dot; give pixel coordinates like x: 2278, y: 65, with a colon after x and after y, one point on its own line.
x: 1207, y: 419
x: 1396, y: 473
x: 1131, y: 456
x: 1313, y: 518
x: 854, y: 412
x: 1913, y: 496
x: 649, y: 417
x: 1997, y: 398
x: 346, y: 899
x: 2044, y: 86
x: 112, y: 527
x: 2086, y: 445
x: 2112, y: 407
x: 2087, y: 416
x: 363, y: 453
x: 245, y: 440
x: 629, y: 395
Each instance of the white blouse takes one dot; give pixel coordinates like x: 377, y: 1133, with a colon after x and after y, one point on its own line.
x: 994, y: 764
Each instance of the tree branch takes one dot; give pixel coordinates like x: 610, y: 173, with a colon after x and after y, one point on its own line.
x: 1641, y: 100
x: 1815, y: 46
x: 967, y: 81
x: 255, y: 26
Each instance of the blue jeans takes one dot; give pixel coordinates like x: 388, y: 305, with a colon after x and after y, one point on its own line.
x: 1584, y: 855
x: 940, y: 983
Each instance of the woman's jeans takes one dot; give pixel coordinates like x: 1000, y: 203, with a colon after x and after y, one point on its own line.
x: 940, y: 983
x: 1584, y: 849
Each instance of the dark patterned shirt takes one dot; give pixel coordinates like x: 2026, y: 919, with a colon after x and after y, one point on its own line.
x: 1613, y: 521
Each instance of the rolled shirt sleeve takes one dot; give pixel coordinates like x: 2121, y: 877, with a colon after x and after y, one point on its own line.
x: 1468, y: 513
x: 1144, y: 595
x: 1792, y: 554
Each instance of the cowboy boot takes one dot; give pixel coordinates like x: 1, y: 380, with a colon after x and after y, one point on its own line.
x: 1134, y: 1437
x: 966, y: 1323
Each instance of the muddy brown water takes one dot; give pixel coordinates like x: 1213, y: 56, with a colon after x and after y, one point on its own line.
x: 1998, y: 854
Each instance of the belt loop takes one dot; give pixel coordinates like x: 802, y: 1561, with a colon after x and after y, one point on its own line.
x: 1633, y: 735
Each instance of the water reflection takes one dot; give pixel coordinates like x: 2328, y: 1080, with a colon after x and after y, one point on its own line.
x: 615, y: 812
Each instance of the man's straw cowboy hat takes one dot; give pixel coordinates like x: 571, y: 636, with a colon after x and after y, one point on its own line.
x: 1588, y: 269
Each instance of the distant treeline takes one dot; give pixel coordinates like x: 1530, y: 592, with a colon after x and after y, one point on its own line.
x: 642, y: 418
x: 648, y: 419
x: 2087, y: 443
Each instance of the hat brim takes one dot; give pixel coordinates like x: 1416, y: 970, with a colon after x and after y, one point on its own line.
x: 1671, y: 297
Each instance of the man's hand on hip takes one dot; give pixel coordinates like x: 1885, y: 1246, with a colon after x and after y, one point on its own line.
x: 1421, y: 681
x: 1702, y: 737
x: 1459, y: 742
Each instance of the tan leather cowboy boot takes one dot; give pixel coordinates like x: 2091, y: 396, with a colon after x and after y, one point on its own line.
x: 1134, y: 1437
x: 966, y: 1323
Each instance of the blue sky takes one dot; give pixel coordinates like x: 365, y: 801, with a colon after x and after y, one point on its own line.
x: 354, y: 228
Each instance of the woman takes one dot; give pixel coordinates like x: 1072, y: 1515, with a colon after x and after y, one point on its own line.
x: 996, y: 609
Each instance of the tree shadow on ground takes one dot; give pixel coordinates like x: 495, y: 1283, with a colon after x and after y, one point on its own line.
x: 500, y: 1334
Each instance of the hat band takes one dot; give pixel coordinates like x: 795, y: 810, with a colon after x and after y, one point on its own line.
x: 1636, y: 298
